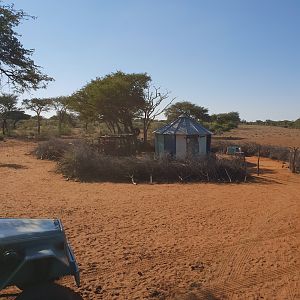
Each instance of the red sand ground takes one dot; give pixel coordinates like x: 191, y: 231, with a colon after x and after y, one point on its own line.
x: 171, y: 241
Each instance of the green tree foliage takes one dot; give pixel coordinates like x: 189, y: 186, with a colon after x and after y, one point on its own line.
x: 10, y: 111
x: 82, y: 104
x: 38, y: 106
x: 8, y: 103
x: 279, y: 123
x: 224, y: 121
x: 61, y: 105
x: 115, y: 99
x: 231, y: 117
x: 185, y: 107
x: 16, y: 65
x: 297, y: 123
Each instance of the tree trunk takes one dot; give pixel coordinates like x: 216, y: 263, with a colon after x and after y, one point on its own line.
x: 59, y: 124
x: 294, y: 156
x: 119, y: 128
x: 110, y: 126
x: 130, y: 127
x: 38, y: 124
x: 145, y: 132
x: 3, y: 126
x: 258, y: 161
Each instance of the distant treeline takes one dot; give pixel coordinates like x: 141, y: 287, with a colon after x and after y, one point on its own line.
x: 283, y: 123
x: 118, y: 103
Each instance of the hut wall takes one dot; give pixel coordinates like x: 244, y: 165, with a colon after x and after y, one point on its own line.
x: 159, y: 144
x: 180, y: 146
x: 202, y: 145
x: 208, y: 143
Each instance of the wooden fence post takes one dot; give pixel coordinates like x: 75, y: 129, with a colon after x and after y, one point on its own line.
x: 293, y: 157
x: 245, y: 166
x: 258, y: 161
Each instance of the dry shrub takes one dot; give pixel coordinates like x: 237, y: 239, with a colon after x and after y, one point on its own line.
x: 86, y: 164
x: 52, y: 149
x: 298, y: 163
x: 297, y: 160
x: 251, y: 149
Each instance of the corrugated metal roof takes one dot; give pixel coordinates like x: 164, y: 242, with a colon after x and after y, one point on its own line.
x: 184, y: 125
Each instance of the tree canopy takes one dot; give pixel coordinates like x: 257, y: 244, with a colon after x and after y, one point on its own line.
x: 115, y: 99
x: 185, y: 107
x: 8, y: 102
x: 10, y: 111
x: 61, y: 105
x: 38, y: 106
x: 297, y: 123
x: 17, y: 67
x: 231, y: 117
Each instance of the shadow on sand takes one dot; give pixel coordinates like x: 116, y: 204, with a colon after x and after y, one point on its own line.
x: 228, y: 138
x: 262, y: 178
x: 13, y: 166
x: 196, y: 295
x: 265, y: 180
x: 46, y: 292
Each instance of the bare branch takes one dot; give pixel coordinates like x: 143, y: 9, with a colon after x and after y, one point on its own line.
x: 153, y: 98
x: 163, y: 109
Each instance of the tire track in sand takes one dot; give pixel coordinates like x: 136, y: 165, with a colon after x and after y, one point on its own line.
x: 253, y: 280
x: 237, y: 256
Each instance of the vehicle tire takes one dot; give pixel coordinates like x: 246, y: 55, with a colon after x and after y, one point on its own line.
x: 33, y: 284
x: 39, y: 276
x: 48, y: 292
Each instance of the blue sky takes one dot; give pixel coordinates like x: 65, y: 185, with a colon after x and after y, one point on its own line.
x: 226, y: 55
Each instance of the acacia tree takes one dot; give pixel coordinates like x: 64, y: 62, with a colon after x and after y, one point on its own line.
x: 226, y: 118
x: 8, y: 103
x: 153, y: 98
x: 38, y: 106
x: 119, y: 97
x: 115, y: 99
x: 185, y: 107
x: 10, y: 111
x: 61, y: 105
x: 80, y: 103
x: 16, y: 65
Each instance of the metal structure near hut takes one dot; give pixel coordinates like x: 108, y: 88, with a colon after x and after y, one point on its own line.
x: 182, y: 138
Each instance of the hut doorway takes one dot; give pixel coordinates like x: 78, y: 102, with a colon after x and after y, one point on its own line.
x: 192, y: 145
x: 170, y: 144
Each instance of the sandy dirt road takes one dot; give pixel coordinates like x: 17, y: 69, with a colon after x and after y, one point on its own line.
x: 170, y: 241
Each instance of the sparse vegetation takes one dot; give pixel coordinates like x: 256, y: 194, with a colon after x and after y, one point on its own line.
x: 269, y: 151
x: 52, y: 149
x: 280, y: 123
x: 85, y: 163
x: 250, y: 149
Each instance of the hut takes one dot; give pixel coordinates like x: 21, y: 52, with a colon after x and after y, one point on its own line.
x: 182, y: 138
